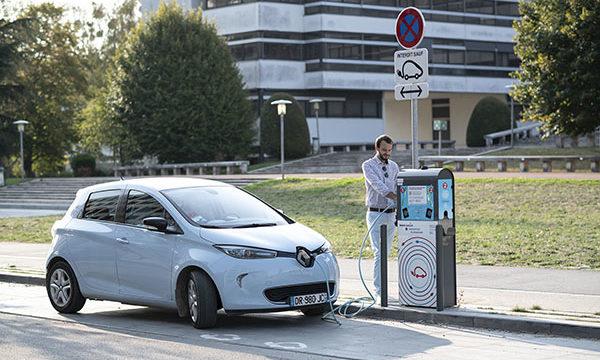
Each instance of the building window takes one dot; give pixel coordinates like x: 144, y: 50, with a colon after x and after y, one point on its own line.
x: 440, y: 110
x: 482, y: 58
x: 479, y: 6
x: 344, y: 51
x: 370, y: 109
x: 448, y: 5
x: 506, y: 8
x: 282, y: 51
x: 335, y: 109
x: 420, y: 4
x: 379, y: 53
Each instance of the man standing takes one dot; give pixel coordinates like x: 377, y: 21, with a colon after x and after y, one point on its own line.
x: 380, y: 180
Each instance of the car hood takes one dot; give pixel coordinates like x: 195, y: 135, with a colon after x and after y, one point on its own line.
x: 280, y: 238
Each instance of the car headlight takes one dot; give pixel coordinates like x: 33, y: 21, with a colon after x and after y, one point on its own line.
x: 244, y: 252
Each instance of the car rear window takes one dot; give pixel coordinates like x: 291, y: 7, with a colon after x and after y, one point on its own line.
x: 102, y: 205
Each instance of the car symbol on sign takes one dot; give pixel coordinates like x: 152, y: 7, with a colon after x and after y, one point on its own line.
x: 419, y: 273
x: 410, y: 69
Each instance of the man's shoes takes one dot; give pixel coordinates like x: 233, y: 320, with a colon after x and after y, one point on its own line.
x: 377, y: 299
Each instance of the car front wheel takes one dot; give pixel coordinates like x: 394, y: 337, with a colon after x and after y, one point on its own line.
x: 63, y: 289
x: 202, y: 300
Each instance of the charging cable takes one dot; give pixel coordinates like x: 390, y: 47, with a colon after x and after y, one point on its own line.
x: 364, y: 302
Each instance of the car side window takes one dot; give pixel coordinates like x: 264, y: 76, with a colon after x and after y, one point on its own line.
x: 102, y: 205
x: 141, y: 205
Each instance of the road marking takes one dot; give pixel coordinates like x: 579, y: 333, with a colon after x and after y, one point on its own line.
x: 287, y: 345
x: 221, y: 337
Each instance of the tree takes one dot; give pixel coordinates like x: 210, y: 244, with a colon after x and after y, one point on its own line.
x: 490, y: 115
x: 559, y: 48
x: 180, y: 95
x: 54, y: 85
x: 297, y: 143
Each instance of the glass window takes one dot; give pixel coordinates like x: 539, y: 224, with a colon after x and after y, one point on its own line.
x: 343, y: 51
x: 420, y: 4
x: 507, y: 8
x: 223, y: 207
x: 370, y: 109
x: 353, y: 108
x: 102, y: 205
x: 448, y: 5
x: 479, y: 6
x: 140, y: 206
x: 335, y: 108
x: 380, y: 2
x: 313, y: 51
x: 379, y: 53
x: 440, y: 110
x: 439, y: 56
x: 282, y: 51
x: 507, y: 60
x: 484, y: 58
x: 456, y: 57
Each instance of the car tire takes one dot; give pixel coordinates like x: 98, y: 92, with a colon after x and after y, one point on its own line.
x: 316, y: 310
x: 63, y: 289
x: 202, y: 300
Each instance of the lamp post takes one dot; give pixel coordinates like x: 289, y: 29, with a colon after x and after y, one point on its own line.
x: 21, y: 127
x: 281, y: 109
x: 512, y: 113
x: 316, y: 103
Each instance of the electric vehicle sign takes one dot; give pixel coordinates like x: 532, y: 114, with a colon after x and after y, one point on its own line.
x: 417, y: 263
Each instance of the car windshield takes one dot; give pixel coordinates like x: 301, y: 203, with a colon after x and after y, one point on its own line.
x: 223, y: 207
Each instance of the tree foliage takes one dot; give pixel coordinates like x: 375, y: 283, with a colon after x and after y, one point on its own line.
x: 297, y: 143
x: 559, y: 46
x: 490, y: 115
x: 180, y: 96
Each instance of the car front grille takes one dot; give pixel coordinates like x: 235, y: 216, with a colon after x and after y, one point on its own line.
x: 282, y: 294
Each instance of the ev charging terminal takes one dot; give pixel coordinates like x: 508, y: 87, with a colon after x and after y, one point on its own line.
x: 426, y: 236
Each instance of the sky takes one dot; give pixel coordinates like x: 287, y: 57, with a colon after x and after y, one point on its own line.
x: 83, y: 8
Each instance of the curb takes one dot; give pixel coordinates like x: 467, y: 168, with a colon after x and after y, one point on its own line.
x: 22, y: 279
x: 457, y: 317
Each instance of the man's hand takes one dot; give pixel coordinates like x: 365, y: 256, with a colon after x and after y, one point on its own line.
x: 392, y: 196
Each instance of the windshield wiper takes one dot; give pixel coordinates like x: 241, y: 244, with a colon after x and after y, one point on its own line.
x: 253, y: 225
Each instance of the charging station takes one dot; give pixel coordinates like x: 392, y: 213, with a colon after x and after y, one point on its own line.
x: 426, y: 237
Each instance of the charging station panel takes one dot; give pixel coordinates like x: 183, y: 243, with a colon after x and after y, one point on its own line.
x: 426, y: 234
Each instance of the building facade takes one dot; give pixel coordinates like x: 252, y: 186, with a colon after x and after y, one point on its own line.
x: 342, y: 52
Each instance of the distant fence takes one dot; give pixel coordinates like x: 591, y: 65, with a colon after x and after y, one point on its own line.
x: 502, y: 161
x: 400, y: 145
x: 213, y: 168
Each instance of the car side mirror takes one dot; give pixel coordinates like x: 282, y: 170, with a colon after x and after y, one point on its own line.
x: 156, y: 222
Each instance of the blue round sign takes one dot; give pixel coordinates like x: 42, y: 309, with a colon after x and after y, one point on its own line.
x: 410, y: 27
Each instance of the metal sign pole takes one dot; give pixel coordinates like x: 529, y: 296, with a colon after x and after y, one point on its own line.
x: 415, y: 135
x: 282, y: 147
x: 440, y: 142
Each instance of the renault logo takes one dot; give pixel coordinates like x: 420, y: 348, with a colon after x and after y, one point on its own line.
x: 304, y: 257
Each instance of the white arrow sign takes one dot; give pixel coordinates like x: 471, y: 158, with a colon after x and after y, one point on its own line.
x: 411, y: 91
x: 411, y: 66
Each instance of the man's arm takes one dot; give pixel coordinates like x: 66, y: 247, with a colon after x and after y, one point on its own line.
x: 376, y: 183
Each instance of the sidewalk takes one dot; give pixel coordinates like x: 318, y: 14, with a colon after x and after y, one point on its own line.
x: 564, y: 295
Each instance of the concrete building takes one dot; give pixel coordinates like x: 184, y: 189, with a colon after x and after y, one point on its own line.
x: 342, y: 52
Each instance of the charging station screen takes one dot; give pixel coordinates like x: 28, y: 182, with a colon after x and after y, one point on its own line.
x: 445, y: 199
x: 416, y: 202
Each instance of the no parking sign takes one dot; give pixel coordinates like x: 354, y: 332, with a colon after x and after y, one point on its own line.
x: 410, y: 27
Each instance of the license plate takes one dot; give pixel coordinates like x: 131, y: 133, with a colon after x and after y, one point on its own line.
x: 311, y: 299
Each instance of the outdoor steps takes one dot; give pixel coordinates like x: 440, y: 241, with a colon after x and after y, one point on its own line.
x: 349, y: 162
x: 58, y: 193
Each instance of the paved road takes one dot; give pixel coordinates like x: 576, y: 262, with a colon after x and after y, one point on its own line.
x: 576, y: 291
x: 111, y: 330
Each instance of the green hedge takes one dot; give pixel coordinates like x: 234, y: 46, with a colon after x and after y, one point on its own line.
x: 297, y: 143
x: 490, y: 115
x: 83, y: 164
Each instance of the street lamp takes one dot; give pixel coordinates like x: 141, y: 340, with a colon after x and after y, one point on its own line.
x: 512, y: 113
x: 21, y: 127
x: 316, y: 103
x: 281, y: 109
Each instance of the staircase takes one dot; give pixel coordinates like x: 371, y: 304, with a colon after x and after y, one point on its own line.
x: 349, y: 162
x: 58, y: 193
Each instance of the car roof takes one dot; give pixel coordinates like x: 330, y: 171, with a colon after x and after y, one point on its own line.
x: 158, y: 183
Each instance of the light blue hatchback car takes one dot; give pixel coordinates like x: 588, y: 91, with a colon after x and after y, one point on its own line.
x: 189, y: 244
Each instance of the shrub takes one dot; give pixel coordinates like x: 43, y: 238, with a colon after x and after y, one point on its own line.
x: 297, y: 143
x: 83, y: 164
x: 490, y: 115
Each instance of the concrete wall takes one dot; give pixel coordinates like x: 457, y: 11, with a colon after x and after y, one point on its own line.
x: 397, y: 115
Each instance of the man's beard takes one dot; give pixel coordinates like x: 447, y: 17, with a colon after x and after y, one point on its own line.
x: 384, y: 156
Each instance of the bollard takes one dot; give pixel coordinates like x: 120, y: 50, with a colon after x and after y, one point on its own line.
x: 383, y: 262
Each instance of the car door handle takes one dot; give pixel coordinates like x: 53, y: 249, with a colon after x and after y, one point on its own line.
x: 123, y: 240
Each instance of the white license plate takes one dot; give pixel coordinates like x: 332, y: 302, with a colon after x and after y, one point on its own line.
x: 305, y: 300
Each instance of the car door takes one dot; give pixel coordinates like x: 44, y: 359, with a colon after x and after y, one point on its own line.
x: 92, y: 245
x: 144, y: 256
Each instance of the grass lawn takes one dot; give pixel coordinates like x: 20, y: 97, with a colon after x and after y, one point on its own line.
x: 27, y: 229
x: 531, y: 222
x: 540, y: 223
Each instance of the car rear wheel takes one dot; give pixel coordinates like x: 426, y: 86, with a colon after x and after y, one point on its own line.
x: 317, y: 310
x: 63, y: 289
x: 202, y: 300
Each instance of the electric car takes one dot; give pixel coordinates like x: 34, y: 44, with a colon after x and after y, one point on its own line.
x: 189, y: 244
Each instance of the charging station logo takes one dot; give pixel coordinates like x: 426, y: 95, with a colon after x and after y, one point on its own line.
x: 419, y: 272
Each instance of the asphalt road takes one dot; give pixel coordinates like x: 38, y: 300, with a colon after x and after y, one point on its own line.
x: 31, y: 329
